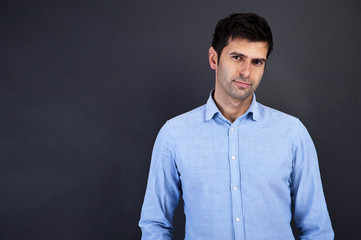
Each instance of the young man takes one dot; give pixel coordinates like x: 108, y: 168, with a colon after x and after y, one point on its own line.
x: 238, y: 165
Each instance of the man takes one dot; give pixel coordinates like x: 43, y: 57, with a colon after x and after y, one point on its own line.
x: 238, y: 165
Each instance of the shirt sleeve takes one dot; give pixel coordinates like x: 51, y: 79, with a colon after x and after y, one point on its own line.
x: 310, y: 210
x: 163, y: 191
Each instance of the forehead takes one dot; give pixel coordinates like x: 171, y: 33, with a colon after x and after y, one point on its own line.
x: 247, y: 48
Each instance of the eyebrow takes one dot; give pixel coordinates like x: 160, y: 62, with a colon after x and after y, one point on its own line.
x: 242, y: 55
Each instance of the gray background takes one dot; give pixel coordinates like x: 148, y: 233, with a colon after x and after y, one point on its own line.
x: 86, y: 85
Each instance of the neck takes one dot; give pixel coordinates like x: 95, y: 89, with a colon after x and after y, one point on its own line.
x: 232, y: 108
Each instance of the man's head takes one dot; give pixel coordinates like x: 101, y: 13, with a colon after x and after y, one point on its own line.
x: 240, y: 48
x: 248, y: 26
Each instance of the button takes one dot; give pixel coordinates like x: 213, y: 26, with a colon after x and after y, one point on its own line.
x: 232, y: 129
x: 235, y: 187
x: 237, y: 219
x: 233, y: 157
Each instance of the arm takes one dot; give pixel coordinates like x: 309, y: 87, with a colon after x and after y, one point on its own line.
x: 310, y: 214
x: 162, y: 193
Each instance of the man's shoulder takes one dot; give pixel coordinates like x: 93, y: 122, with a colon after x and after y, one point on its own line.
x: 194, y: 116
x: 274, y: 115
x: 280, y: 122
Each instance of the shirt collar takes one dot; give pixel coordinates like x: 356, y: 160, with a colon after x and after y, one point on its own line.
x: 212, y: 109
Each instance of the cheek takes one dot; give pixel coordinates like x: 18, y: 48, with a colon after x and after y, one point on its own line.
x: 257, y: 75
x: 223, y: 73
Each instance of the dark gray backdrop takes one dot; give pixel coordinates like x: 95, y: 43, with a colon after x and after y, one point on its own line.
x: 86, y: 85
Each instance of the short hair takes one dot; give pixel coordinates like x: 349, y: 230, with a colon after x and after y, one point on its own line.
x: 247, y: 26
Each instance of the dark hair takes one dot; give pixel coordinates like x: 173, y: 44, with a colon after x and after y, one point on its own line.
x: 248, y: 26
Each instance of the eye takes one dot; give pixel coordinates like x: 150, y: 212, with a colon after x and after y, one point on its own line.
x: 237, y: 57
x: 258, y: 62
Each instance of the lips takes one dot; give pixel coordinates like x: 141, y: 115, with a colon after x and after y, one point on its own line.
x: 242, y: 84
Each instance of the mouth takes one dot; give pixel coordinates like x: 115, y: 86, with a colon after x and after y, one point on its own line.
x: 242, y: 84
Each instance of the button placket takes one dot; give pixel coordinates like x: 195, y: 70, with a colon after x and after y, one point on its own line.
x: 235, y: 180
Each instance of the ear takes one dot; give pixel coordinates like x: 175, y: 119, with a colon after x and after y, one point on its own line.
x: 213, y: 58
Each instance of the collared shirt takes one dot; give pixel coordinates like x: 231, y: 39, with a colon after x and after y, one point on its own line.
x: 237, y: 180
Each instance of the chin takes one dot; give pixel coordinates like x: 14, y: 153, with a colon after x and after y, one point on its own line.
x: 243, y: 96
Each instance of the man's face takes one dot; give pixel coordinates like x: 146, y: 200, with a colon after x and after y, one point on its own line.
x: 239, y: 69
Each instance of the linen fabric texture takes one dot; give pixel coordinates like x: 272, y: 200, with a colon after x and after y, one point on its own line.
x: 237, y: 180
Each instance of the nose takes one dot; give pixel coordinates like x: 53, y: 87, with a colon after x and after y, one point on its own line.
x: 245, y: 69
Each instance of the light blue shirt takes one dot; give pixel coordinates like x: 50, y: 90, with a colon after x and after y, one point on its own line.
x: 238, y: 180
